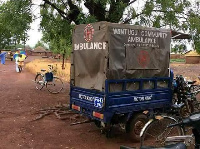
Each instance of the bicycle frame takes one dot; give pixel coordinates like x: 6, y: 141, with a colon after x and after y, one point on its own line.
x: 43, y: 82
x: 186, y: 139
x: 53, y: 84
x: 158, y: 117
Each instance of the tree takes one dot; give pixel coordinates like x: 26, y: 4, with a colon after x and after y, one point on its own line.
x: 56, y: 31
x: 179, y: 15
x: 41, y: 44
x: 179, y: 48
x: 15, y: 19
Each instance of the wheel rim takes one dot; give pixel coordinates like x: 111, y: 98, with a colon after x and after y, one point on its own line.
x: 157, y: 132
x: 55, y: 86
x: 138, y: 127
x: 39, y: 82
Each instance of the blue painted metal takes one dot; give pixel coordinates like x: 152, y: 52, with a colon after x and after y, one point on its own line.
x: 3, y: 57
x: 124, y: 101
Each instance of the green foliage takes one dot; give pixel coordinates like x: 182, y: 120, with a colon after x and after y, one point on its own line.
x: 149, y: 6
x: 58, y: 17
x: 177, y: 60
x: 41, y: 44
x: 179, y: 48
x: 57, y: 32
x: 15, y: 19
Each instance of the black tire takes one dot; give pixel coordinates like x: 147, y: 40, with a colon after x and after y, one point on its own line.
x: 155, y: 133
x: 135, y: 125
x: 39, y: 81
x: 55, y: 86
x: 97, y: 123
x: 196, y: 106
x: 20, y: 69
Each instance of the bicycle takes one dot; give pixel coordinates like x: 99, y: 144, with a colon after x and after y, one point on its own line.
x: 155, y: 131
x: 20, y: 64
x: 180, y: 141
x: 53, y: 84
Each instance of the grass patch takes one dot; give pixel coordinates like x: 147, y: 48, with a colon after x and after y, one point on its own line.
x: 177, y: 60
x: 38, y: 64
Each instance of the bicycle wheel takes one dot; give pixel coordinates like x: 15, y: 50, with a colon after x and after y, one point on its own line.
x: 39, y: 81
x: 55, y: 86
x: 155, y: 132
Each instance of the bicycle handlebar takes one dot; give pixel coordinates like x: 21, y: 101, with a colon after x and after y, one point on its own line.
x: 185, y: 122
x: 50, y: 67
x: 172, y: 125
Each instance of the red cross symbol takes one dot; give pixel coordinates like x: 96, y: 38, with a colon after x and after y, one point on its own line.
x: 143, y: 58
x: 89, y: 31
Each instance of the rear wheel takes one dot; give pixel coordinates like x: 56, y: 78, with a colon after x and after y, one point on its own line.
x: 135, y: 126
x: 55, y: 86
x: 156, y: 131
x: 39, y: 81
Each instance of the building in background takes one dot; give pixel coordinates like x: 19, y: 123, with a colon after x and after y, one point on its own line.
x: 192, y: 57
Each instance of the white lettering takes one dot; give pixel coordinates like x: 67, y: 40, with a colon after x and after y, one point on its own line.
x: 90, y: 98
x: 104, y: 45
x: 81, y: 46
x: 90, y: 46
x: 95, y: 45
x: 76, y: 46
x: 100, y: 45
x: 115, y: 31
x: 142, y: 98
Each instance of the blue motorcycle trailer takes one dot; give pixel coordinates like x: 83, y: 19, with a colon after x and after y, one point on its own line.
x: 120, y: 72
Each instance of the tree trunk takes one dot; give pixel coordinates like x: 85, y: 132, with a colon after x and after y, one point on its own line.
x: 63, y: 62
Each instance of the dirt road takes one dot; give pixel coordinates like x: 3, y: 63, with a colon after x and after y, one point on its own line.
x: 19, y: 100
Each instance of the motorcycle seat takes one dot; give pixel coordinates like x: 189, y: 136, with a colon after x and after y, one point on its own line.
x: 43, y: 70
x: 191, y: 82
x: 171, y: 146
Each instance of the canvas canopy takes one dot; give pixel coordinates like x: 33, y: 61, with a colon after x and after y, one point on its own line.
x: 106, y: 50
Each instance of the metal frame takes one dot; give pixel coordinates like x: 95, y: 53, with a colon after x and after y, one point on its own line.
x: 117, y: 103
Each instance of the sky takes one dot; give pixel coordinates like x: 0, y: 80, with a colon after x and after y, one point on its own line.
x: 34, y: 34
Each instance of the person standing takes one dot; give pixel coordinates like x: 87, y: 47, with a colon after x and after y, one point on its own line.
x: 16, y: 61
x: 11, y: 56
x: 3, y: 57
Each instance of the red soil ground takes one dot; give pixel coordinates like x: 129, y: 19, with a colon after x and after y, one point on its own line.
x: 19, y: 101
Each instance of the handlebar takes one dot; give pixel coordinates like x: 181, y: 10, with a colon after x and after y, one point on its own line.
x: 190, y: 121
x: 172, y: 125
x: 50, y: 67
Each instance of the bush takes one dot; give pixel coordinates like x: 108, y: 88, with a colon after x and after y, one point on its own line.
x: 38, y: 64
x: 177, y: 60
